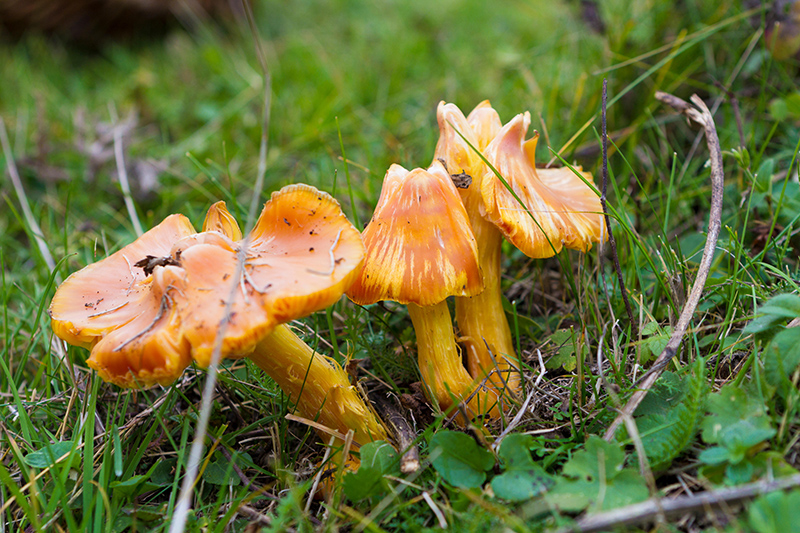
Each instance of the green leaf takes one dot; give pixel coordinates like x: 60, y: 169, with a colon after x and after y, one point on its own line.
x: 126, y: 517
x: 781, y: 359
x: 52, y: 454
x: 523, y: 479
x: 459, y: 459
x: 772, y: 314
x: 776, y: 513
x: 764, y: 174
x: 666, y: 394
x: 121, y: 523
x: 381, y: 456
x: 783, y: 305
x: 378, y: 459
x: 655, y: 343
x: 599, y: 459
x: 220, y: 472
x: 135, y: 485
x: 738, y: 423
x: 746, y: 434
x: 672, y: 415
x: 739, y: 473
x: 595, y: 477
x: 735, y: 412
x: 778, y: 109
x: 782, y: 108
x: 566, y: 344
x: 714, y: 455
x: 164, y: 472
x: 793, y: 104
x: 742, y: 156
x: 364, y: 483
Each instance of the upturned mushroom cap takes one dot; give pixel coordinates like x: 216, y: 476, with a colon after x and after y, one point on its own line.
x: 145, y: 324
x: 567, y: 210
x: 221, y: 220
x: 420, y: 248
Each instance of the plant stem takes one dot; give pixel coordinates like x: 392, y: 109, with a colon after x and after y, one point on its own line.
x: 445, y: 378
x: 482, y: 320
x: 317, y: 385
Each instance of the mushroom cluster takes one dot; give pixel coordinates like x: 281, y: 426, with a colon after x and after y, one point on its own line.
x: 538, y: 210
x: 150, y: 309
x: 437, y: 233
x: 175, y: 296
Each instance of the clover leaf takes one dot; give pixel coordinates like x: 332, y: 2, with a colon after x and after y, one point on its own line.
x: 595, y: 477
x: 378, y: 459
x: 459, y: 459
x: 523, y: 479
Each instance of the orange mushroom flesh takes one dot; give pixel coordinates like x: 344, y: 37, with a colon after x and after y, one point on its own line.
x: 420, y: 250
x: 317, y: 384
x: 559, y: 210
x: 148, y: 310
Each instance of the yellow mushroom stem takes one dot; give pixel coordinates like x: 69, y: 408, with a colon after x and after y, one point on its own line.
x: 440, y: 364
x: 317, y: 385
x: 482, y: 320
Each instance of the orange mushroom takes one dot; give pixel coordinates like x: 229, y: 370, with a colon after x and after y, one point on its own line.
x: 420, y: 250
x: 147, y: 310
x: 559, y: 210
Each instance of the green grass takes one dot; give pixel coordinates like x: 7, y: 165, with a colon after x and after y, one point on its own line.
x: 363, y: 79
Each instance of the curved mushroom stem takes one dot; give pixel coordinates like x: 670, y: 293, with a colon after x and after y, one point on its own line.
x: 440, y: 364
x: 317, y: 385
x: 482, y: 320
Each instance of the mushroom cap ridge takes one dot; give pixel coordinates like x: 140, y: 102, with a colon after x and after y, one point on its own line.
x: 420, y: 246
x: 567, y: 210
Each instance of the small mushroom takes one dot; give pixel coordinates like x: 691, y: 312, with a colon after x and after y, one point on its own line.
x: 560, y: 210
x: 420, y: 250
x: 144, y: 327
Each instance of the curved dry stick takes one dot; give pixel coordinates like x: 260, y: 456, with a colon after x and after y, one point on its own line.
x: 639, y: 513
x: 702, y: 116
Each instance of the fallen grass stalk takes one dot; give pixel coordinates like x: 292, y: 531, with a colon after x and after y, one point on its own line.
x: 318, y: 477
x: 643, y: 512
x: 524, y: 408
x: 702, y: 116
x: 122, y: 172
x: 23, y: 200
x: 315, y: 425
x: 183, y: 503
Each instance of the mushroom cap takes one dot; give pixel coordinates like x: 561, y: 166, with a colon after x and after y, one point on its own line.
x: 111, y: 301
x: 454, y: 150
x: 567, y: 211
x: 420, y: 246
x: 221, y: 220
x: 300, y: 257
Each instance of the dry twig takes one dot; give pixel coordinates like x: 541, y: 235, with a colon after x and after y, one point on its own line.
x: 702, y: 116
x: 643, y: 512
x: 184, y: 500
x: 402, y: 431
